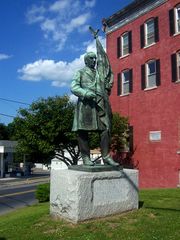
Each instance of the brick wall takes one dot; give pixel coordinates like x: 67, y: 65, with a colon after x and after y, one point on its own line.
x: 152, y: 110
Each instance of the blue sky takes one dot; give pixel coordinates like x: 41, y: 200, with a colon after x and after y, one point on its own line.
x: 42, y: 44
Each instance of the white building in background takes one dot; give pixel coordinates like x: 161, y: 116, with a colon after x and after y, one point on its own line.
x: 57, y: 164
x: 7, y: 148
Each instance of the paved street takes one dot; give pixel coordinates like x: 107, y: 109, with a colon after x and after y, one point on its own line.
x: 19, y: 192
x: 13, y: 198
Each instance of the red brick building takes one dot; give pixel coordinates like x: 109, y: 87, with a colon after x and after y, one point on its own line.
x: 143, y: 44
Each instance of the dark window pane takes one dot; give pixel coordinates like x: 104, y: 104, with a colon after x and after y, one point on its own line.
x: 151, y: 67
x: 126, y: 76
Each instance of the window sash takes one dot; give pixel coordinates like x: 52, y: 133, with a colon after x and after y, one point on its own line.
x: 125, y: 50
x: 125, y: 44
x: 151, y: 80
x: 150, y: 38
x: 177, y: 19
x: 151, y: 74
x: 149, y: 32
x: 125, y: 81
x: 125, y: 88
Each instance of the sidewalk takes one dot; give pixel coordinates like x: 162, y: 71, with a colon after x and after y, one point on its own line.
x: 34, y: 178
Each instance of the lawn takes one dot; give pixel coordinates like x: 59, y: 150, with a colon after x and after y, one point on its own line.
x: 157, y: 218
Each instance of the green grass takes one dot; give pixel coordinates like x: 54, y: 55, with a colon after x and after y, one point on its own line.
x: 158, y: 218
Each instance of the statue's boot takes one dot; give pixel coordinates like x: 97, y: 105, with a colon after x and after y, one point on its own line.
x: 109, y: 161
x: 87, y: 161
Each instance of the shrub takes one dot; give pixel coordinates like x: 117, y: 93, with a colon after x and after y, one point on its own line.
x: 43, y: 192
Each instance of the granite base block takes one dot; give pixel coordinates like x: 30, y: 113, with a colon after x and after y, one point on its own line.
x: 78, y: 196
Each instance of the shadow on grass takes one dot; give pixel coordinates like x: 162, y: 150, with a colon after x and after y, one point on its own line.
x: 165, y: 209
x: 141, y: 203
x: 2, y: 238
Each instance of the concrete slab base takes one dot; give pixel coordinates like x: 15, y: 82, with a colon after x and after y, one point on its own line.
x: 78, y: 196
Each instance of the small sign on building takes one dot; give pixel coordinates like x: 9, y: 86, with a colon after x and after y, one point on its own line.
x: 155, y: 136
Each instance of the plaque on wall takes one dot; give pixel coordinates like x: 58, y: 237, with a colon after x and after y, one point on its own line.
x: 155, y: 136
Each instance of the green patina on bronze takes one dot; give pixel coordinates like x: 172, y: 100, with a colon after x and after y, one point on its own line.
x: 95, y: 168
x: 93, y: 112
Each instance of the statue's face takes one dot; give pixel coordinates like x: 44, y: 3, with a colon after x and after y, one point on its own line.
x: 90, y: 60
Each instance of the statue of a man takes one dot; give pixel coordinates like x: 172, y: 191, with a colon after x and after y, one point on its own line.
x: 92, y: 85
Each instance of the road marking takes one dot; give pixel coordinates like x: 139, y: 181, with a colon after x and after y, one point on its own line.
x: 18, y: 193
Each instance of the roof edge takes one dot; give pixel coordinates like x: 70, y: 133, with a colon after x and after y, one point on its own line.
x: 130, y: 13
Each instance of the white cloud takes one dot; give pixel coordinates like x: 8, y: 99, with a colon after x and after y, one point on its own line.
x: 4, y: 56
x: 59, y: 73
x: 35, y: 14
x: 90, y: 3
x: 77, y: 22
x: 58, y: 20
x: 59, y: 5
x: 48, y: 25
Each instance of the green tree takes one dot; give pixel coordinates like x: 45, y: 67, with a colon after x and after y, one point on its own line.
x: 122, y: 141
x: 120, y: 133
x: 44, y: 130
x: 4, y: 133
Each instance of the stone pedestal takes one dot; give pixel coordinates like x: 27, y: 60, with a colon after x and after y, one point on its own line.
x: 77, y: 196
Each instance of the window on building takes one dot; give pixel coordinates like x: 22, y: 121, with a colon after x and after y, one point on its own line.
x: 177, y: 18
x: 175, y: 65
x: 125, y: 82
x: 150, y: 74
x: 124, y: 44
x: 149, y: 32
x: 174, y: 20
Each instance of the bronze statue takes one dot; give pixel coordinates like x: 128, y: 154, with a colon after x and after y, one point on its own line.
x: 92, y: 85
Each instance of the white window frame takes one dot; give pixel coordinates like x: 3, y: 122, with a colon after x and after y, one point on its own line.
x: 178, y: 65
x: 147, y: 33
x: 177, y: 19
x: 123, y: 46
x: 148, y: 74
x: 124, y: 82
